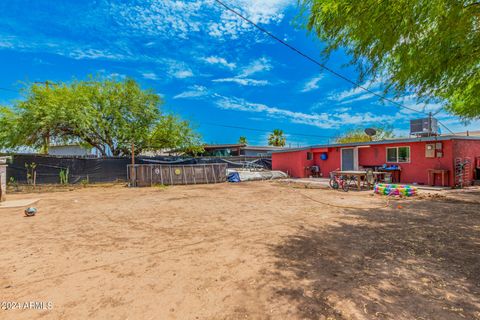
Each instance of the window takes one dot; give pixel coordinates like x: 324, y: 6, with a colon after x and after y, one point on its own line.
x: 398, y: 154
x: 309, y: 156
x: 391, y: 154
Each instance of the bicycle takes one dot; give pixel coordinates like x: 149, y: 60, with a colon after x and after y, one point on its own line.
x: 337, y: 182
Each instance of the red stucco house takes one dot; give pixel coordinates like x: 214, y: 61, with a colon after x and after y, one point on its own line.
x: 414, y: 156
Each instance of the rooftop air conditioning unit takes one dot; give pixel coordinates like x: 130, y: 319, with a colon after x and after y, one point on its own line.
x: 425, y: 127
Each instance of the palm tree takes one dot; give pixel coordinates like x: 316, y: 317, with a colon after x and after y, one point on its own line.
x: 277, y: 139
x: 242, y: 140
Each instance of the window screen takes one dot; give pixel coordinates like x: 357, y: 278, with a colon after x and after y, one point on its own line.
x: 391, y: 154
x: 398, y: 154
x: 404, y: 154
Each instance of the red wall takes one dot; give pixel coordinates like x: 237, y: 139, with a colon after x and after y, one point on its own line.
x: 375, y: 155
x: 467, y: 149
x: 293, y: 163
x: 417, y: 169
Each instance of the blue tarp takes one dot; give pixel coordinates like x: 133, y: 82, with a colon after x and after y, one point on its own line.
x: 233, y: 177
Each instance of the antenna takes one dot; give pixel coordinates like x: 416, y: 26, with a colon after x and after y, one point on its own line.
x: 370, y: 132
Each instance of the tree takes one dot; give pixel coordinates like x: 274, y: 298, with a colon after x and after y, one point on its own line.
x: 108, y: 115
x: 359, y: 135
x: 173, y: 133
x: 8, y: 121
x: 242, y: 140
x: 276, y: 138
x: 430, y: 47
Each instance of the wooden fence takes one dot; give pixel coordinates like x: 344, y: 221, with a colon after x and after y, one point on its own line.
x: 142, y: 175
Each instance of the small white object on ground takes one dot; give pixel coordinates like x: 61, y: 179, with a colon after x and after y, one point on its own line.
x: 30, y: 212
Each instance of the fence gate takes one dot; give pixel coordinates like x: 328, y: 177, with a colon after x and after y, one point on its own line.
x: 142, y: 175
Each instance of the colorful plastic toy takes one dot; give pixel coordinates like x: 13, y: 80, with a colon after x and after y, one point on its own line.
x: 395, y: 189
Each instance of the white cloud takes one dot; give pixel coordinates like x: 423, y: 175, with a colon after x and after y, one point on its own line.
x: 244, y: 81
x: 182, y: 74
x: 260, y: 12
x: 256, y: 66
x: 93, y: 54
x: 414, y: 107
x: 195, y: 91
x: 158, y: 18
x: 320, y: 120
x: 129, y: 27
x: 219, y: 60
x: 375, y: 88
x: 259, y: 65
x: 177, y: 69
x: 312, y: 84
x: 6, y: 44
x: 360, y: 97
x: 355, y: 93
x: 182, y: 19
x: 150, y: 75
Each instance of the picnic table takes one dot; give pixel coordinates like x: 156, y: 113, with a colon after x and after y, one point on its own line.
x: 359, y: 175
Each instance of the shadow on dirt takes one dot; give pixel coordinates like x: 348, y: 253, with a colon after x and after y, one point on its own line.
x: 417, y: 260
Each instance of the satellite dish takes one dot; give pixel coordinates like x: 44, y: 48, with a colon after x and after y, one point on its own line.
x: 370, y: 132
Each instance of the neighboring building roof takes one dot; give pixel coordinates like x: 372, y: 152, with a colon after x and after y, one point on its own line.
x: 223, y: 146
x: 241, y: 146
x: 76, y: 145
x: 389, y: 141
x: 262, y: 148
x: 69, y: 150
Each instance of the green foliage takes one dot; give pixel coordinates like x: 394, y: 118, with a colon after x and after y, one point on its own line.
x: 174, y: 133
x: 160, y: 186
x: 12, y: 182
x: 277, y: 138
x: 107, y: 114
x: 85, y: 182
x: 63, y: 175
x: 427, y: 47
x: 30, y: 167
x: 242, y: 140
x: 8, y: 136
x: 359, y: 135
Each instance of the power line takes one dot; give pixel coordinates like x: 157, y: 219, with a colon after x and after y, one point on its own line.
x: 306, y: 56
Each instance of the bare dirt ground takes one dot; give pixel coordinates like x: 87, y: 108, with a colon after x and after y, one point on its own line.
x: 241, y: 251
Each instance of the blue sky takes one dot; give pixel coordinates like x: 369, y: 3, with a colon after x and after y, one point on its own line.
x: 209, y: 66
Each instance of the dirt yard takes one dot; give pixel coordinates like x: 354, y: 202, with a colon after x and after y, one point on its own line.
x: 240, y: 251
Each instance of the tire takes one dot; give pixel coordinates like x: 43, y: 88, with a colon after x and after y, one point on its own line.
x: 333, y: 184
x: 346, y: 185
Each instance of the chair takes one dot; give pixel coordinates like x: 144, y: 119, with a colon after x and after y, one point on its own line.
x: 387, y: 177
x: 369, y: 178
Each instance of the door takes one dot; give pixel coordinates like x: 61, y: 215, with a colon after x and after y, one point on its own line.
x: 348, y: 159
